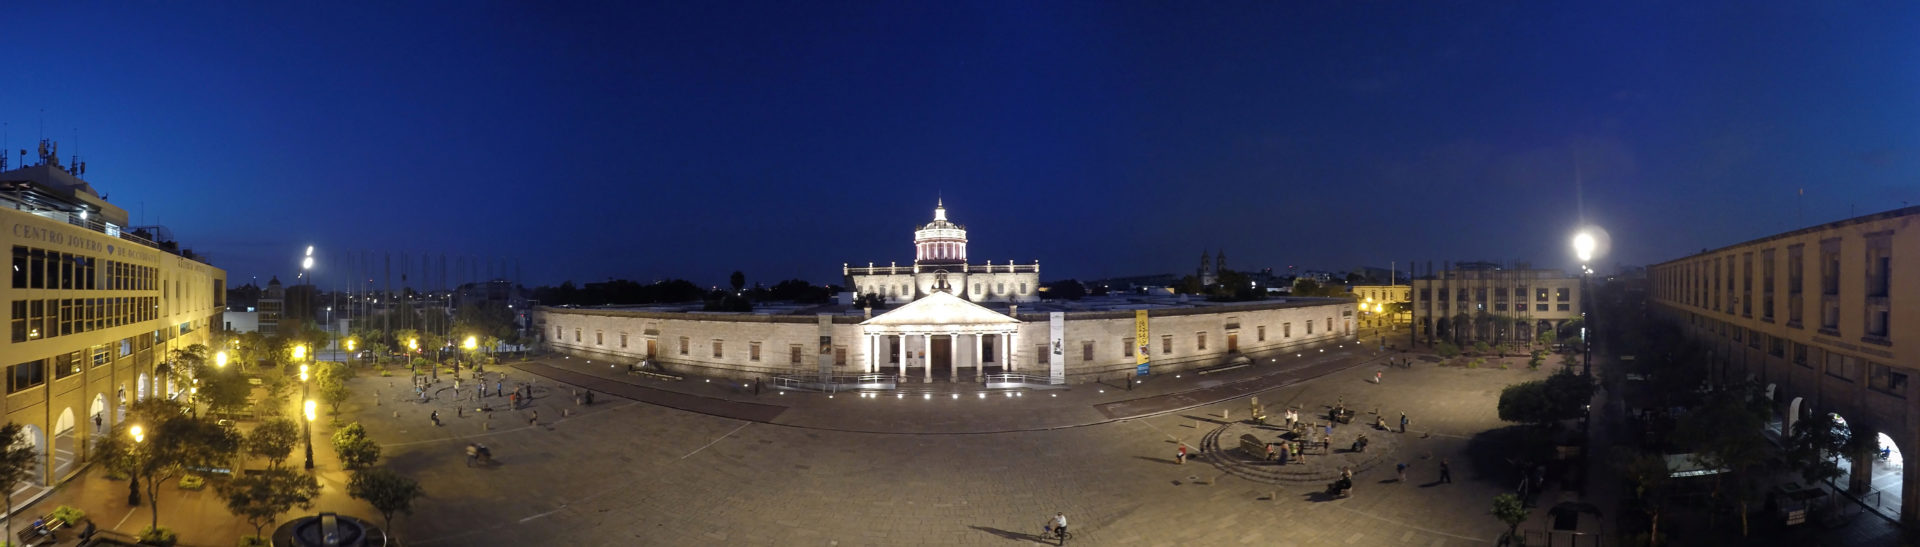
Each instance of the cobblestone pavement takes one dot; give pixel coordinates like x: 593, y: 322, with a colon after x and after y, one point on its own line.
x: 857, y: 470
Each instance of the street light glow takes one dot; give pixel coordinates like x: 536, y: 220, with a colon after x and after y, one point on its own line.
x: 300, y: 351
x: 303, y: 373
x: 139, y: 435
x: 220, y: 360
x: 309, y: 250
x: 471, y: 343
x: 309, y: 410
x: 1583, y: 246
x: 306, y: 263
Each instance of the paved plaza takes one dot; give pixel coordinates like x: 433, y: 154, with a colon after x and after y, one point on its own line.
x: 936, y: 464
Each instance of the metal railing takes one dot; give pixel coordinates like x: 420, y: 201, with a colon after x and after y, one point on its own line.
x: 837, y: 383
x: 1013, y: 380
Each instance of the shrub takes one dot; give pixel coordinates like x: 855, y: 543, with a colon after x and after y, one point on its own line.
x: 254, y: 541
x: 115, y: 475
x: 1476, y: 363
x: 385, y: 373
x: 192, y: 482
x: 1447, y: 350
x: 159, y: 535
x: 68, y: 514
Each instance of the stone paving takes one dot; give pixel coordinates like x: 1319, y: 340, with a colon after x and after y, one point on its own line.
x: 852, y: 470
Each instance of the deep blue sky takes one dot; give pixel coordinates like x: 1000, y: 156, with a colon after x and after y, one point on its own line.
x: 689, y: 139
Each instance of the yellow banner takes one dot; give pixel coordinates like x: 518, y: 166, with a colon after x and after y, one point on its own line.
x: 1141, y: 338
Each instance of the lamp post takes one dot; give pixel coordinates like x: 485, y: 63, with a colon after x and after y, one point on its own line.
x: 306, y: 427
x: 1583, y: 247
x: 133, y: 485
x: 470, y: 344
x: 350, y: 354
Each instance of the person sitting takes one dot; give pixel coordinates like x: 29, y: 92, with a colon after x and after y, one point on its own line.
x: 40, y: 527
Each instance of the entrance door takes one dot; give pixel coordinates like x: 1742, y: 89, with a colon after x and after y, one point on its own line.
x: 650, y: 349
x: 1233, y: 342
x: 941, y: 356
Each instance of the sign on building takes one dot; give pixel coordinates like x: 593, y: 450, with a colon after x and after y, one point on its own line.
x: 1057, y: 361
x: 1142, y: 338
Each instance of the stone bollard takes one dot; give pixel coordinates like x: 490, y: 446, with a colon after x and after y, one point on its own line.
x: 1223, y: 414
x: 396, y: 413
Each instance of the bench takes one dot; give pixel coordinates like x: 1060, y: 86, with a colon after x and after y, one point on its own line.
x: 30, y: 536
x: 655, y: 375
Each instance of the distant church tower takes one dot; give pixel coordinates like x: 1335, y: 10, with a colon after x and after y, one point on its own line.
x: 1220, y: 263
x: 1206, y: 273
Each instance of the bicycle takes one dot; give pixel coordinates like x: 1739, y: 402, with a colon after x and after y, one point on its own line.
x: 1060, y: 534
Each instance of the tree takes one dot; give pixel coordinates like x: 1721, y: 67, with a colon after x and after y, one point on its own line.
x: 261, y: 497
x: 1303, y: 286
x: 738, y: 280
x: 1725, y: 434
x: 224, y: 390
x: 1649, y: 474
x: 1508, y: 509
x: 1814, y: 446
x: 279, y: 391
x: 870, y: 300
x: 355, y: 449
x: 172, y: 443
x: 17, y: 462
x: 274, y: 440
x: 1527, y: 402
x: 333, y: 391
x: 1069, y: 289
x: 386, y: 491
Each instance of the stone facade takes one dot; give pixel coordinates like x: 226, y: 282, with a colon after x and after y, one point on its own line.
x: 1376, y: 302
x: 1098, y: 344
x: 1820, y: 318
x: 1481, y: 302
x: 940, y: 264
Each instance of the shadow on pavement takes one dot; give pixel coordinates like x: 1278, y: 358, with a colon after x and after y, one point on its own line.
x: 1157, y: 460
x: 1492, y: 454
x: 1011, y: 535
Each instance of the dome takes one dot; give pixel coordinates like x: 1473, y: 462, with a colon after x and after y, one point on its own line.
x: 940, y: 241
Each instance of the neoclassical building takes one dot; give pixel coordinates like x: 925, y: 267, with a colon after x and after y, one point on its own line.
x: 1485, y: 302
x: 950, y: 320
x: 1823, y: 318
x: 96, y: 307
x: 940, y: 265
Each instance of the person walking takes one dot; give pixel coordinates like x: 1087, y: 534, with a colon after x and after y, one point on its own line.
x: 1446, y: 472
x: 1401, y: 470
x: 513, y: 401
x: 473, y: 453
x: 1403, y: 422
x: 534, y: 419
x: 1181, y: 456
x: 500, y: 386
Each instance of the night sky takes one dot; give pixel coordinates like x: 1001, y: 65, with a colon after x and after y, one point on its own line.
x: 690, y: 139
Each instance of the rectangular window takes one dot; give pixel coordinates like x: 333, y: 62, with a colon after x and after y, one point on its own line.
x: 1800, y: 354
x: 1796, y: 284
x: 793, y: 354
x: 1830, y: 286
x: 683, y: 345
x: 1540, y: 295
x: 1539, y: 307
x: 1887, y: 380
x: 1879, y: 283
x: 20, y: 264
x: 623, y: 340
x: 1286, y: 330
x: 1086, y: 350
x: 753, y: 351
x: 1840, y: 366
x: 1200, y: 341
x: 1166, y: 344
x: 19, y: 321
x: 1563, y: 307
x: 1260, y: 333
x: 576, y: 335
x: 599, y: 338
x: 26, y: 376
x: 1309, y: 328
x: 1766, y: 285
x: 1776, y: 346
x: 1562, y: 294
x: 67, y: 364
x: 1126, y: 347
x: 1500, y: 306
x: 839, y: 356
x: 717, y: 353
x: 1329, y: 324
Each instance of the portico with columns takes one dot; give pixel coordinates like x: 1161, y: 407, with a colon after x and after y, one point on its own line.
x: 942, y: 335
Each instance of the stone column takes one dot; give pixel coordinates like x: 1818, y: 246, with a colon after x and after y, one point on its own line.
x: 926, y: 358
x: 1006, y: 352
x: 979, y: 360
x: 1860, y: 474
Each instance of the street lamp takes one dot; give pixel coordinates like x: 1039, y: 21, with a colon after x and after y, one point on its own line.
x: 220, y: 360
x: 1584, y: 247
x: 307, y: 429
x: 350, y: 354
x: 133, y: 485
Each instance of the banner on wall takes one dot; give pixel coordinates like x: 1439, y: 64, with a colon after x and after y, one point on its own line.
x: 1142, y: 340
x: 1057, y: 347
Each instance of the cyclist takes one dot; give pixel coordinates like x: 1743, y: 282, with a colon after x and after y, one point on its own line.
x: 1059, y: 526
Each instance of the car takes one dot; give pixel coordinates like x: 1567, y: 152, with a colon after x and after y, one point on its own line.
x: 364, y: 354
